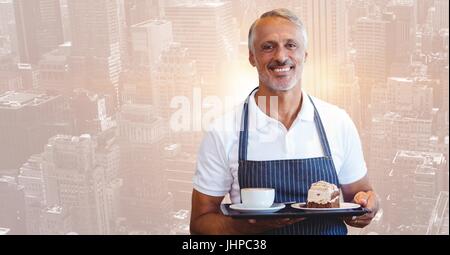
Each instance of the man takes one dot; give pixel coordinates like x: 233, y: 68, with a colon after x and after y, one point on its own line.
x: 286, y: 145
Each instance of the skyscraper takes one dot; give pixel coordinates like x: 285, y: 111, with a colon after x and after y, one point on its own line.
x: 12, y: 206
x: 39, y: 28
x: 92, y: 113
x: 27, y: 120
x: 174, y: 80
x: 138, y: 11
x: 326, y: 26
x: 346, y: 94
x: 148, y: 40
x: 370, y: 38
x: 405, y: 28
x: 95, y: 60
x: 54, y: 70
x: 32, y: 179
x: 440, y: 19
x: 55, y: 220
x: 179, y: 167
x: 422, y: 10
x: 414, y: 182
x: 6, y: 16
x: 207, y: 30
x: 145, y: 201
x: 77, y: 183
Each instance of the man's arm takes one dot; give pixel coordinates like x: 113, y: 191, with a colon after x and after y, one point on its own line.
x: 206, y: 218
x: 361, y: 192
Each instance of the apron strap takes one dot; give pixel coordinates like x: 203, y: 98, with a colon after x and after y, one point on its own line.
x: 243, y: 132
x: 322, y: 135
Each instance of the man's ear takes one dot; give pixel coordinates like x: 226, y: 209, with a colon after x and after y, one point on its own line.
x: 251, y: 58
x: 306, y: 56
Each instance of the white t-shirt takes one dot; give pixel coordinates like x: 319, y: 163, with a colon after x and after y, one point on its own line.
x: 268, y: 139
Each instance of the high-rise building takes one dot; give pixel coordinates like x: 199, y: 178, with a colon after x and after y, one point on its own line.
x: 392, y: 132
x: 6, y: 17
x: 55, y: 220
x: 77, y: 183
x: 27, y: 120
x: 357, y: 9
x: 410, y: 97
x: 54, y: 70
x: 426, y: 189
x: 65, y: 20
x: 39, y: 28
x: 179, y: 167
x: 29, y: 76
x: 148, y: 40
x: 137, y: 86
x: 9, y: 76
x: 207, y: 30
x: 326, y: 25
x: 138, y: 11
x: 422, y: 10
x: 95, y: 61
x: 346, y: 94
x: 445, y: 87
x: 176, y: 82
x: 175, y: 75
x: 414, y: 181
x: 92, y: 113
x: 12, y: 206
x: 405, y: 28
x: 440, y: 18
x: 107, y: 156
x: 370, y: 38
x: 32, y: 179
x: 438, y: 223
x: 145, y: 201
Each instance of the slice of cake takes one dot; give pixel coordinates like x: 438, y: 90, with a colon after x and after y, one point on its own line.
x: 323, y: 195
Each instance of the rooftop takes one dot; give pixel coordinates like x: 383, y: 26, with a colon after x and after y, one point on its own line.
x: 16, y: 100
x: 70, y: 139
x: 426, y: 158
x: 54, y: 209
x: 152, y: 22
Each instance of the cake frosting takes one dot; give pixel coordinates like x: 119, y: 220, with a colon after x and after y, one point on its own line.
x: 323, y: 195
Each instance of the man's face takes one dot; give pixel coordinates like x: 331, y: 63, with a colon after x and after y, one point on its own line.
x: 278, y: 53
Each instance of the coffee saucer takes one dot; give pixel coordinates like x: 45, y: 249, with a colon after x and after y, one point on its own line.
x: 273, y: 208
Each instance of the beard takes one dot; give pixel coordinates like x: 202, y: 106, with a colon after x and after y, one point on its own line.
x: 279, y: 85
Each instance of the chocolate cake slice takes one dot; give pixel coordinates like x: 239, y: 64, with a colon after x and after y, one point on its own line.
x: 323, y: 195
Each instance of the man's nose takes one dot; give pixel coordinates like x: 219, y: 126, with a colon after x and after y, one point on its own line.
x: 281, y: 55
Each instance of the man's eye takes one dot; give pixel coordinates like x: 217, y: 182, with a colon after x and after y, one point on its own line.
x: 291, y: 45
x: 267, y: 47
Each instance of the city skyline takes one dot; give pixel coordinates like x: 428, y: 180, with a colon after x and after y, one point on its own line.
x: 90, y: 92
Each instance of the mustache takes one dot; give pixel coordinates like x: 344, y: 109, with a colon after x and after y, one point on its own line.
x: 277, y: 63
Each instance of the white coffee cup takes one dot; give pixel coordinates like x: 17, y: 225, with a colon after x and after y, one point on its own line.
x: 257, y: 197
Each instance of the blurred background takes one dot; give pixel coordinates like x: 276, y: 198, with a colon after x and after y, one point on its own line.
x: 87, y: 93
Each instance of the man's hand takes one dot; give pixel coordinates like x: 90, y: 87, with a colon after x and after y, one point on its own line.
x: 368, y: 200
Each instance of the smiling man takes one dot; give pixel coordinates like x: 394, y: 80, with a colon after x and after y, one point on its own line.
x: 287, y: 144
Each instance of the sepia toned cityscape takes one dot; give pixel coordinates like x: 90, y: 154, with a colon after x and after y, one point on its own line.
x: 89, y: 92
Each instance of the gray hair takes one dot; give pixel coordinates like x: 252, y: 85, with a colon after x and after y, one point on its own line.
x: 280, y: 13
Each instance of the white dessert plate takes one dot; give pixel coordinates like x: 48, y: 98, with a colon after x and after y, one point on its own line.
x: 343, y: 206
x: 275, y: 207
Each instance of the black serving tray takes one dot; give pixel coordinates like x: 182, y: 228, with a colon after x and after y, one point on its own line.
x: 289, y: 212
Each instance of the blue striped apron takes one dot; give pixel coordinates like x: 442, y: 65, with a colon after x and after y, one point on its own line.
x: 291, y: 179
